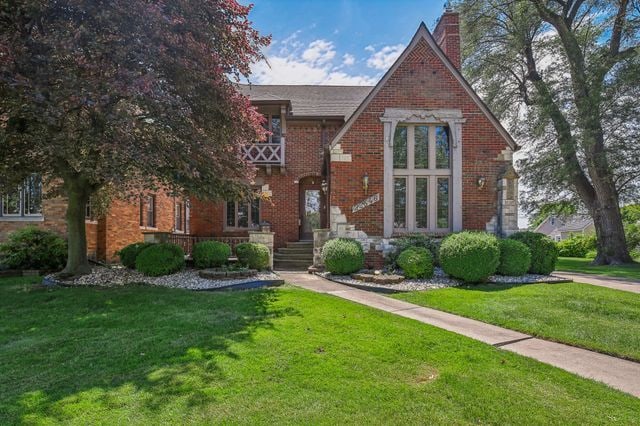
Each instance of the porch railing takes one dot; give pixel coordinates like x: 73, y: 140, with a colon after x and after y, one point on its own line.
x: 187, y: 241
x: 265, y: 153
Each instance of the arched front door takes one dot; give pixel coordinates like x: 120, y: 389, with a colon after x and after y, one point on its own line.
x: 312, y: 206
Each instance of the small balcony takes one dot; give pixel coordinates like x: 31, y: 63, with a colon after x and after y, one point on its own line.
x: 265, y: 154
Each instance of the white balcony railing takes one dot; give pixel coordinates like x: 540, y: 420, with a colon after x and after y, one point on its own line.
x: 265, y: 153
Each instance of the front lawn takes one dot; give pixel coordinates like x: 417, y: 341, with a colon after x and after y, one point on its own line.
x: 146, y: 355
x: 583, y: 315
x: 575, y: 264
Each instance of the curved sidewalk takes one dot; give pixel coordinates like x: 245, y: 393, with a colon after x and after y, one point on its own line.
x: 618, y: 373
x: 602, y: 281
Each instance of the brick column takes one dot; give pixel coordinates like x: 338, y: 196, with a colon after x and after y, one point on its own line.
x: 265, y: 238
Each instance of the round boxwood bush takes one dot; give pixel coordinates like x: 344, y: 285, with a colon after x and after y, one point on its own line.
x: 406, y: 241
x: 253, y: 255
x: 129, y: 254
x: 544, y: 252
x: 342, y: 256
x: 160, y: 259
x: 515, y: 258
x: 416, y: 262
x: 34, y: 248
x: 470, y: 256
x: 210, y: 254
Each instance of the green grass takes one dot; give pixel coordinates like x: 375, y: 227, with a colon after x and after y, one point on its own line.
x: 144, y: 355
x: 574, y: 264
x: 582, y: 315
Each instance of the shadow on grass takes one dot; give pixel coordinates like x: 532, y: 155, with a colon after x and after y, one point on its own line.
x: 492, y: 287
x: 68, y: 351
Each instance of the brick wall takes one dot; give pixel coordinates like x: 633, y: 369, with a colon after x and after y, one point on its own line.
x: 422, y: 81
x: 304, y: 157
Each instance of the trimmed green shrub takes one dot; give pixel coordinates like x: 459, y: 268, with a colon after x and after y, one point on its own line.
x: 253, y: 255
x: 129, y: 254
x: 576, y: 246
x: 416, y: 262
x: 515, y: 258
x: 160, y: 259
x: 412, y: 240
x: 342, y: 256
x: 470, y: 256
x: 210, y: 254
x: 34, y: 248
x: 544, y: 252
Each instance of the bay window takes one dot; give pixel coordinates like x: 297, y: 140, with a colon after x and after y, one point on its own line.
x: 421, y: 179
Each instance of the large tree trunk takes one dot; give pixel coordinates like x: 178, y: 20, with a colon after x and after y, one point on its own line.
x: 78, y: 196
x: 611, y: 241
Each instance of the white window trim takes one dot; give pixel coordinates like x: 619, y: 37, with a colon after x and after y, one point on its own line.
x: 453, y: 119
x: 269, y: 118
x: 227, y: 228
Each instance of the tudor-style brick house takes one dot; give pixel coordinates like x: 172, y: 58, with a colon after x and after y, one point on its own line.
x: 418, y: 152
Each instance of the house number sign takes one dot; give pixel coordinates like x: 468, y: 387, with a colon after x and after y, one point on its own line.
x: 365, y: 203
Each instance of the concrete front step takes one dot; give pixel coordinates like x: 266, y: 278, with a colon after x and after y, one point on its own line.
x: 291, y: 265
x: 300, y: 244
x: 284, y: 250
x: 286, y: 256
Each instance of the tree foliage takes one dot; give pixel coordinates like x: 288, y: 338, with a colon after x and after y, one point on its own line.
x: 123, y: 95
x: 565, y: 76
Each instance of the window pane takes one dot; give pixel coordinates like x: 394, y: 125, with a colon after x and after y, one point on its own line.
x: 151, y: 211
x: 179, y: 210
x: 243, y: 215
x: 422, y: 207
x: 276, y: 129
x: 400, y: 203
x: 33, y: 195
x: 443, y: 203
x: 400, y: 148
x: 421, y: 147
x: 231, y: 214
x: 255, y: 213
x: 11, y: 203
x: 442, y: 147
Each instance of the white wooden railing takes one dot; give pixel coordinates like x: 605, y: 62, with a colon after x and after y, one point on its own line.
x: 265, y: 153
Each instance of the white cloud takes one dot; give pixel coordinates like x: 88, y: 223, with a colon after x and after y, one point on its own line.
x: 385, y: 57
x: 348, y: 59
x: 319, y: 52
x: 370, y: 48
x: 314, y: 64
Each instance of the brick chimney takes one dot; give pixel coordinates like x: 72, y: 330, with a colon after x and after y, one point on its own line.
x: 447, y: 35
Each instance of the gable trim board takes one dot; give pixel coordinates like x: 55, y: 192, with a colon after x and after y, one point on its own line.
x: 423, y: 33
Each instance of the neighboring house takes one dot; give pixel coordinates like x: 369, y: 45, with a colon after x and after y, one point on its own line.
x: 418, y: 152
x: 559, y: 228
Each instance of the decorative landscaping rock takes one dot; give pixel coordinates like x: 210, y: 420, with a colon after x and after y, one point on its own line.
x: 186, y: 279
x: 366, y: 280
x: 378, y: 278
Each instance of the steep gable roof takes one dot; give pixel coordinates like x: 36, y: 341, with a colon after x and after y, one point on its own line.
x: 424, y: 34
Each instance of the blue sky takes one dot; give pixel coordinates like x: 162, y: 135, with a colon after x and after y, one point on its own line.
x: 349, y: 42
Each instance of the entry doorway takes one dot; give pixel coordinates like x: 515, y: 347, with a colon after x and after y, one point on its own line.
x: 312, y: 206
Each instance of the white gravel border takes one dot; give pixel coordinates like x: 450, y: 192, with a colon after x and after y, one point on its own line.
x: 440, y: 280
x: 187, y: 279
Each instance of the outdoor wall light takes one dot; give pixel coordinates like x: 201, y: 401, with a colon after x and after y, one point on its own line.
x: 481, y: 182
x: 325, y: 186
x: 365, y: 183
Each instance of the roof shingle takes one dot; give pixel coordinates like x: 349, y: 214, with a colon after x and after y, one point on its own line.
x: 311, y: 101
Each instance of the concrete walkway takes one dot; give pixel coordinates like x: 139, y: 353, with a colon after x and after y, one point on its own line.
x: 609, y: 282
x: 617, y: 373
